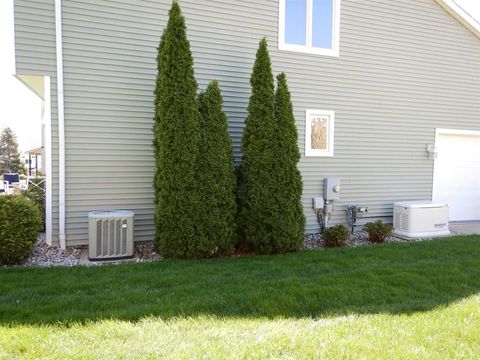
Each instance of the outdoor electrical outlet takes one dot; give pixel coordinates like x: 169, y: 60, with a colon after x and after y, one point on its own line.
x: 328, y: 208
x: 318, y: 203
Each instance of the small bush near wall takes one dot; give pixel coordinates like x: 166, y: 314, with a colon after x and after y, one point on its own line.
x: 36, y: 193
x: 20, y: 222
x: 336, y: 236
x: 378, y: 231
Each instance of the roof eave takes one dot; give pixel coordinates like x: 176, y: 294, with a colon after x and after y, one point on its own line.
x: 461, y: 15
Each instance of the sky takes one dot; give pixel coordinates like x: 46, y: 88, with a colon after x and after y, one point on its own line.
x: 471, y: 6
x: 20, y: 108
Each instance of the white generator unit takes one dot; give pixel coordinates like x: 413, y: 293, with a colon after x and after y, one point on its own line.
x: 420, y: 219
x: 110, y: 234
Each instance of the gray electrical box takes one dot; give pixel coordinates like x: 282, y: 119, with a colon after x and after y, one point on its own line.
x: 318, y: 203
x: 331, y: 188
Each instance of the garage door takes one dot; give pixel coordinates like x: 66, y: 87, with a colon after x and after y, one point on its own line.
x: 456, y: 178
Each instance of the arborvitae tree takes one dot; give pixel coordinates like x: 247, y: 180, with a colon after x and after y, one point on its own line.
x: 177, y: 137
x: 259, y: 207
x: 216, y: 223
x: 9, y: 156
x: 156, y: 120
x: 241, y: 198
x: 290, y: 221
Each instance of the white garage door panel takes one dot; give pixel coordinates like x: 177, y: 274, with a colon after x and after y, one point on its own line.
x: 457, y: 175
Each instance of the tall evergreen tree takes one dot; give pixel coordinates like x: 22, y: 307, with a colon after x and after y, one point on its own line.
x: 259, y: 205
x: 9, y: 155
x: 215, y: 176
x: 177, y: 138
x: 156, y: 121
x: 290, y: 222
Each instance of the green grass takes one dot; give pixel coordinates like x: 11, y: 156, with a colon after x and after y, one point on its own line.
x: 408, y: 300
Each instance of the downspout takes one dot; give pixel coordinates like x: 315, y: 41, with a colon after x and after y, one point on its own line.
x: 61, y: 123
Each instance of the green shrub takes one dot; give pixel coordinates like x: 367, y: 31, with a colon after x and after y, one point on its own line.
x: 177, y: 200
x: 378, y: 231
x: 156, y: 122
x: 336, y: 236
x: 240, y: 195
x: 259, y: 212
x: 216, y: 180
x: 20, y: 222
x: 36, y: 193
x: 289, y: 229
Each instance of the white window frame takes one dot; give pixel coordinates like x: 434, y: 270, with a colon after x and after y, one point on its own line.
x: 330, y: 130
x: 308, y: 48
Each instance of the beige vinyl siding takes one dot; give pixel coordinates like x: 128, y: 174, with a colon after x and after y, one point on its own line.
x: 35, y: 54
x: 405, y: 68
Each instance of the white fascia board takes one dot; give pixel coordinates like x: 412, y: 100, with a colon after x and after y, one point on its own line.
x: 461, y: 15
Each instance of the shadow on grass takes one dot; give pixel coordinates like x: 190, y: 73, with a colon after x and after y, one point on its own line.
x: 391, y: 278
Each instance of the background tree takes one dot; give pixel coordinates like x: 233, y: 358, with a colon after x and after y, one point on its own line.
x: 9, y: 154
x: 215, y: 176
x: 259, y: 206
x: 290, y: 221
x: 176, y: 141
x: 156, y: 120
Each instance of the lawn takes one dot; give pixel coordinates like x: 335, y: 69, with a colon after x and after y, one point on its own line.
x: 403, y: 300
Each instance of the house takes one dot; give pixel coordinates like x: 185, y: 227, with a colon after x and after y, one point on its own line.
x: 389, y: 89
x: 33, y: 161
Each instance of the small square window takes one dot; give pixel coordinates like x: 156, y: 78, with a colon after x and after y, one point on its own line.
x: 319, y: 132
x: 310, y: 26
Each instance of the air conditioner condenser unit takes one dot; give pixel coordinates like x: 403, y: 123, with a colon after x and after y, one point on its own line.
x: 420, y: 219
x: 110, y: 234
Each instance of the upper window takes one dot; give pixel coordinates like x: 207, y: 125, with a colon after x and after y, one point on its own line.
x: 310, y: 26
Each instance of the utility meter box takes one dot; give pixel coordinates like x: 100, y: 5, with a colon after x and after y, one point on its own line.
x: 331, y: 188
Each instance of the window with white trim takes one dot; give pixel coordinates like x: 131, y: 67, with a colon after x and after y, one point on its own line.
x: 310, y: 26
x: 319, y: 129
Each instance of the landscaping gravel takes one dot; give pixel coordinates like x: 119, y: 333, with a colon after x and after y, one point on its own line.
x: 358, y: 238
x: 145, y: 251
x: 44, y: 255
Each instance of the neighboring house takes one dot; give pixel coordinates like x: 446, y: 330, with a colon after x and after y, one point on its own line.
x: 32, y: 159
x: 391, y: 74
